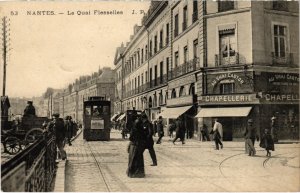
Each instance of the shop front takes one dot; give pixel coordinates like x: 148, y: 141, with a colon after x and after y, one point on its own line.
x: 232, y: 111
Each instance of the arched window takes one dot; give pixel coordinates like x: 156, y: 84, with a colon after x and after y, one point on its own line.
x: 155, y: 100
x: 227, y: 86
x: 181, y: 91
x: 192, y: 89
x: 173, y: 95
x: 160, y: 98
x: 150, y: 102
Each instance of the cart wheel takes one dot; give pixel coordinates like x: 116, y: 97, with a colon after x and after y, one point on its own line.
x: 12, y: 145
x: 33, y: 135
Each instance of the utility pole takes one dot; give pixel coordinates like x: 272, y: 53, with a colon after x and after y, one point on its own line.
x: 5, y: 35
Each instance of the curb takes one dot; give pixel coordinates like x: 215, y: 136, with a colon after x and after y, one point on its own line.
x: 59, y: 185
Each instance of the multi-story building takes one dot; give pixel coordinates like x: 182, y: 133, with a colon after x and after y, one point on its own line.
x: 229, y: 59
x: 252, y: 66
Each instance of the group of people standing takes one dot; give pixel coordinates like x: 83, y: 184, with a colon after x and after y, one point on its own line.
x: 63, y: 130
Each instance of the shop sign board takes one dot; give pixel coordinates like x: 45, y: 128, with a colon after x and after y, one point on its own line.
x: 283, y: 79
x: 97, y: 124
x: 228, y: 99
x: 185, y: 100
x: 281, y: 97
x: 229, y: 75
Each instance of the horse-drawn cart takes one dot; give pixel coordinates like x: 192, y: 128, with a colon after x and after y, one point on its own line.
x: 23, y: 131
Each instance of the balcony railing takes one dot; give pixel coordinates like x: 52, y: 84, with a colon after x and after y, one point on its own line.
x: 195, y: 16
x: 287, y: 59
x: 231, y: 60
x: 185, y: 68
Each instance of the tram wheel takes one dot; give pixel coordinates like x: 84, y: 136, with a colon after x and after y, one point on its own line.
x: 33, y: 135
x: 12, y: 145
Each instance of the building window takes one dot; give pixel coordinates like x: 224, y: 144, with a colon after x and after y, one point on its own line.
x: 139, y: 83
x: 146, y: 52
x: 150, y: 78
x: 155, y: 44
x: 227, y: 47
x: 142, y: 78
x: 142, y: 56
x: 139, y: 59
x: 150, y: 48
x: 280, y: 5
x: 167, y: 67
x: 176, y: 29
x: 161, y: 72
x: 161, y: 39
x: 192, y: 89
x: 173, y: 94
x: 195, y: 48
x: 184, y: 23
x: 185, y: 54
x: 167, y: 38
x: 195, y: 11
x: 146, y: 76
x: 176, y: 55
x: 155, y: 75
x: 160, y: 99
x: 227, y: 87
x: 280, y: 41
x: 225, y: 5
x: 166, y: 96
x: 181, y: 91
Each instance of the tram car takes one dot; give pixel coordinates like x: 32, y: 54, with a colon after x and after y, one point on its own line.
x: 96, y: 119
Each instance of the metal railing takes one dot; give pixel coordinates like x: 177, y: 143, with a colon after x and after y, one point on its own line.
x: 231, y: 60
x: 287, y: 59
x: 185, y: 68
x: 39, y: 159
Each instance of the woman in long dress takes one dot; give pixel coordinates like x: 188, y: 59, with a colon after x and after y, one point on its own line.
x: 136, y: 149
x: 267, y: 142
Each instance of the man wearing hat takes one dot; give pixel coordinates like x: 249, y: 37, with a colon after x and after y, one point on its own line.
x: 69, y: 128
x: 250, y: 135
x: 57, y: 126
x: 160, y: 129
x: 29, y: 109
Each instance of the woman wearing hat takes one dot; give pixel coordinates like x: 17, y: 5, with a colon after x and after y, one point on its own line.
x: 267, y: 142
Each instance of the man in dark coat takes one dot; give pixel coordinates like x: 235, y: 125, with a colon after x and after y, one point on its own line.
x: 57, y: 126
x: 149, y: 140
x: 180, y: 130
x: 160, y: 129
x: 69, y: 129
x: 29, y: 109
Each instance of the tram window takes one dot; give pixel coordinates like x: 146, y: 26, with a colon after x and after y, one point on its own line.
x: 97, y: 110
x: 105, y: 110
x: 87, y: 110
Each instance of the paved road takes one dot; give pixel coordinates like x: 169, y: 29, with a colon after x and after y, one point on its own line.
x: 101, y: 166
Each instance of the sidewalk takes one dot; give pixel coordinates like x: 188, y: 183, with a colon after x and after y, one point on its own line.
x: 194, y: 167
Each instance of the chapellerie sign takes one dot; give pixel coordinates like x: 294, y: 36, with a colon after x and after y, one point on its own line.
x: 281, y: 97
x: 217, y: 99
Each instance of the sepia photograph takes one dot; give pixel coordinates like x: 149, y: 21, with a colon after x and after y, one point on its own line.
x: 149, y: 96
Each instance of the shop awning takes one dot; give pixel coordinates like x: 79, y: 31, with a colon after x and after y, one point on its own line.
x: 113, y: 117
x: 173, y: 113
x: 121, y: 117
x: 224, y: 112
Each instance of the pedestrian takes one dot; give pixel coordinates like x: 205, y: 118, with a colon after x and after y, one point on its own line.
x: 274, y: 128
x: 123, y: 129
x: 267, y: 142
x: 136, y: 148
x: 154, y: 128
x: 171, y: 129
x: 29, y: 109
x: 160, y: 129
x: 204, y: 133
x: 69, y: 129
x: 216, y: 131
x: 250, y: 136
x: 180, y: 130
x: 57, y: 127
x: 149, y: 140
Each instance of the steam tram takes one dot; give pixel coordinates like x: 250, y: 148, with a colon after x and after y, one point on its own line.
x: 96, y: 119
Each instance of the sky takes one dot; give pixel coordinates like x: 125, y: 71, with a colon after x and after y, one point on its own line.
x: 54, y: 50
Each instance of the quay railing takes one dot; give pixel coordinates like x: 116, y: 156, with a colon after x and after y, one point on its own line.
x: 33, y: 169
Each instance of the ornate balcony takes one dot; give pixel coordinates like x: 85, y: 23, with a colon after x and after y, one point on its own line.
x: 185, y: 68
x: 284, y: 59
x: 231, y: 60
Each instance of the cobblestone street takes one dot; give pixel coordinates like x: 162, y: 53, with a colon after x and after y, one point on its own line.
x: 101, y: 166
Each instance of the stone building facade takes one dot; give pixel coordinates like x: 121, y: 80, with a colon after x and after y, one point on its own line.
x: 202, y: 59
